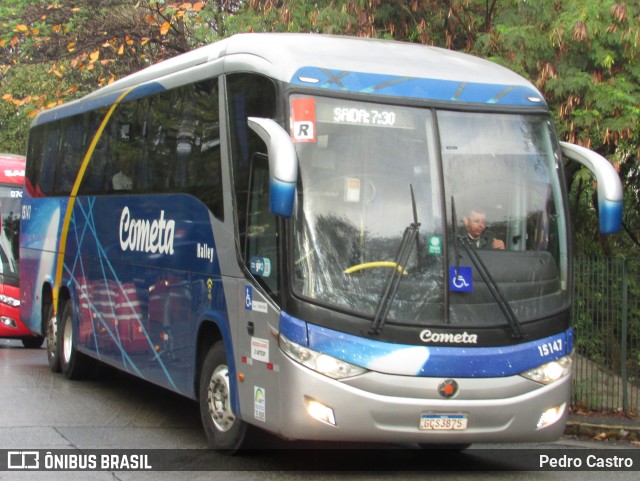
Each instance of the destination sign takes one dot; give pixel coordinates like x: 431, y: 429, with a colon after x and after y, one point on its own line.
x: 345, y: 112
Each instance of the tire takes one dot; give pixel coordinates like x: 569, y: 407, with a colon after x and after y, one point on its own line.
x: 226, y: 432
x: 34, y: 342
x: 51, y: 333
x: 73, y: 364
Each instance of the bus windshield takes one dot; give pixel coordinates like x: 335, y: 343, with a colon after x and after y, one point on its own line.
x: 368, y: 171
x: 9, y: 234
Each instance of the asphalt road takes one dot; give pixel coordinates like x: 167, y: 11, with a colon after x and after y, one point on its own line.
x: 41, y: 411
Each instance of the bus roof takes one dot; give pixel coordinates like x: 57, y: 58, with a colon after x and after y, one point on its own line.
x: 384, y: 67
x: 11, y: 169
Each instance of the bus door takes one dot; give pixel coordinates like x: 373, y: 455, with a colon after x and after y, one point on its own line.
x: 260, y: 315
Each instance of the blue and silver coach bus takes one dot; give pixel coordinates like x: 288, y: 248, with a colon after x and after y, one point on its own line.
x: 274, y: 225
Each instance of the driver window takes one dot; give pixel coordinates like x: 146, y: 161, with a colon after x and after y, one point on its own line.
x: 261, y: 250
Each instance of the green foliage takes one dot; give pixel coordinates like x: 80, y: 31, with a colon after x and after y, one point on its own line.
x: 26, y: 89
x: 581, y: 54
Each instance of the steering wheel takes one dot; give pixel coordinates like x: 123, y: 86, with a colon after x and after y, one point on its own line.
x: 371, y: 265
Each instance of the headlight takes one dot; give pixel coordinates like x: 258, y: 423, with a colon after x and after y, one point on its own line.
x: 321, y: 363
x: 9, y: 301
x: 550, y: 372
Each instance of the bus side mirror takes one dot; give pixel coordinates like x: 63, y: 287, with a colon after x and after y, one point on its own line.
x: 609, y: 185
x: 283, y: 164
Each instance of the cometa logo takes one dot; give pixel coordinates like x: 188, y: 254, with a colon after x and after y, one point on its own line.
x: 448, y: 337
x: 144, y: 235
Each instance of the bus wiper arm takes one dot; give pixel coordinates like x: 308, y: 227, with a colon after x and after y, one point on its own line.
x: 494, y: 289
x: 409, y: 238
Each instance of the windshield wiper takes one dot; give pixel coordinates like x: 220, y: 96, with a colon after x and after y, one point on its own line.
x: 409, y: 237
x: 485, y: 274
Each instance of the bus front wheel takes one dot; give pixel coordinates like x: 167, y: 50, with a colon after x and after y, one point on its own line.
x: 224, y: 430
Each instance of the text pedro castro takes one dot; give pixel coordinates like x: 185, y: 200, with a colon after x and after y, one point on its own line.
x: 592, y: 461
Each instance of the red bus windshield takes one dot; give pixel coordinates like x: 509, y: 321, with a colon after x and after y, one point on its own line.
x: 11, y: 180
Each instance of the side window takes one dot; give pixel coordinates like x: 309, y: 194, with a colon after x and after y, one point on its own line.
x: 50, y: 154
x: 96, y: 179
x: 128, y: 147
x: 178, y: 140
x: 164, y: 143
x: 251, y: 96
x: 70, y: 155
x: 34, y: 160
x: 197, y: 167
x: 261, y: 247
x: 161, y: 141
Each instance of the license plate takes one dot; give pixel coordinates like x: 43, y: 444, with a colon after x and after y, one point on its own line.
x: 443, y: 422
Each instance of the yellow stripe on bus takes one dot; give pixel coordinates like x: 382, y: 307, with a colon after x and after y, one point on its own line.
x: 72, y: 199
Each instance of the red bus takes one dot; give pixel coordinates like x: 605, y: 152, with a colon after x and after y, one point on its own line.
x: 11, y: 181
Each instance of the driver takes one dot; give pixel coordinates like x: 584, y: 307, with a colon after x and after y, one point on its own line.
x: 475, y: 223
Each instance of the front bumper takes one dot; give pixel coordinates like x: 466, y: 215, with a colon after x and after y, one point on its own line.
x: 387, y: 408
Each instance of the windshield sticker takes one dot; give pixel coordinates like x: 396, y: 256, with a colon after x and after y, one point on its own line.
x: 352, y: 191
x: 460, y: 279
x: 303, y: 120
x: 260, y: 266
x: 434, y: 245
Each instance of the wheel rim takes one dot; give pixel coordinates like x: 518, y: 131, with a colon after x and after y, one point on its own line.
x: 67, y: 341
x: 52, y: 336
x: 218, y: 399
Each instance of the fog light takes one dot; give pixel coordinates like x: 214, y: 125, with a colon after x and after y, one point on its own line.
x: 319, y: 411
x: 7, y: 321
x: 551, y: 415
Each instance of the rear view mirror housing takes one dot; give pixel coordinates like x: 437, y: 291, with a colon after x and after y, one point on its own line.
x: 283, y: 164
x: 609, y: 186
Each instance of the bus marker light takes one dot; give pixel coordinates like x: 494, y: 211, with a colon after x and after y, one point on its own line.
x: 240, y: 377
x: 319, y: 411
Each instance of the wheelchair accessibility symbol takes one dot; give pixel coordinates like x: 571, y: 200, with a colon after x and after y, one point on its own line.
x: 248, y: 298
x: 460, y: 279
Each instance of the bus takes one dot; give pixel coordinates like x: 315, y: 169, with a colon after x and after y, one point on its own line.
x: 272, y: 225
x: 11, y: 180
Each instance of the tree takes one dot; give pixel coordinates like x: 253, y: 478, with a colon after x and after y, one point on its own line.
x: 580, y: 53
x: 90, y: 43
